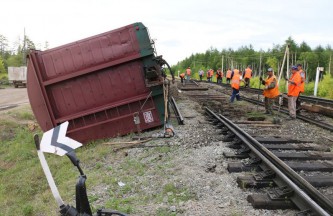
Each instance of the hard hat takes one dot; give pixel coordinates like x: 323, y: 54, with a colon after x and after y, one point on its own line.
x: 294, y: 67
x: 270, y: 69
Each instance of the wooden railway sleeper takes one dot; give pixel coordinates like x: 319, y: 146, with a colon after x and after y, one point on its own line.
x: 229, y: 137
x: 266, y: 174
x: 252, y: 162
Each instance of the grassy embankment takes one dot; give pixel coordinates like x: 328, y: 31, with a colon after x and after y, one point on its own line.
x: 24, y: 189
x: 3, y: 80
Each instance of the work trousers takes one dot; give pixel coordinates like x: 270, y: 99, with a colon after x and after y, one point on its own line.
x: 292, y: 106
x: 188, y: 77
x: 269, y: 102
x: 228, y: 80
x: 235, y: 93
x: 298, y: 103
x: 200, y: 77
x: 247, y: 82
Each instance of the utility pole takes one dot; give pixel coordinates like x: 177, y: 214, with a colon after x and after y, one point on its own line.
x: 260, y: 66
x: 222, y: 64
x: 329, y: 65
x: 287, y: 66
x: 282, y: 66
x: 23, y: 48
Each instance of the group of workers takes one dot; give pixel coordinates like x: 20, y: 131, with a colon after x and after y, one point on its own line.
x: 271, y: 92
x: 247, y: 74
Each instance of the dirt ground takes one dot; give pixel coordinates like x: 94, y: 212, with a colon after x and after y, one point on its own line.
x: 13, y: 96
x: 188, y: 174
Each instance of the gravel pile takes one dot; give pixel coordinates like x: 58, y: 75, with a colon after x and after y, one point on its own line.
x: 195, y: 164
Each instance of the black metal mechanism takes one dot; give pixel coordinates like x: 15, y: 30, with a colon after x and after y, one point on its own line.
x: 306, y: 195
x: 175, y: 108
x: 159, y: 60
x: 82, y: 202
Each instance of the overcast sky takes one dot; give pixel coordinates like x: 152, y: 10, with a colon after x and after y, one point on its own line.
x: 180, y: 27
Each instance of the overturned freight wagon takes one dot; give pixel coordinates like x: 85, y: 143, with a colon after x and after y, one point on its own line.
x: 98, y: 84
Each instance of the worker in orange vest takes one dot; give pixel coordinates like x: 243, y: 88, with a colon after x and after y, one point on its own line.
x: 303, y: 77
x: 247, y: 76
x: 228, y: 75
x: 271, y: 90
x: 219, y: 75
x: 211, y: 75
x: 188, y: 74
x: 235, y: 84
x: 208, y: 75
x: 293, y: 91
x: 182, y: 76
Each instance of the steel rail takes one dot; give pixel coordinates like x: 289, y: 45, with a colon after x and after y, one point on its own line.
x: 179, y: 116
x: 310, y: 99
x: 323, y: 206
x: 304, y: 118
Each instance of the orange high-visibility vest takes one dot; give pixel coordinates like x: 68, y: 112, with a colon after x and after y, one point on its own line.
x: 182, y: 75
x: 228, y: 74
x: 303, y: 76
x: 248, y: 72
x: 188, y: 71
x: 274, y: 92
x: 294, y: 89
x: 235, y: 80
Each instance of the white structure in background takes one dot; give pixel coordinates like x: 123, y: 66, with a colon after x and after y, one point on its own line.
x: 18, y: 76
x: 319, y: 69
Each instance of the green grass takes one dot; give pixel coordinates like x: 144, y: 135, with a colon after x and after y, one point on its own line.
x: 24, y: 189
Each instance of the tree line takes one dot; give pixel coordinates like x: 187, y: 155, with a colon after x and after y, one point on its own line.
x: 15, y: 55
x: 261, y: 60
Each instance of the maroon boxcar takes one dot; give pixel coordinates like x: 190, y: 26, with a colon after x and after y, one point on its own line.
x: 98, y: 84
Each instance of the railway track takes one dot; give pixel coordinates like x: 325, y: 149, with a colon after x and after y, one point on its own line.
x: 278, y: 170
x: 302, y: 117
x: 308, y: 99
x: 293, y: 170
x: 305, y: 118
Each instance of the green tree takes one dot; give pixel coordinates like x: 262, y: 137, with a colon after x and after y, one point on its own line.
x: 273, y: 63
x: 2, y: 66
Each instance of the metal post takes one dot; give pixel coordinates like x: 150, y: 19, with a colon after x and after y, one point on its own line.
x: 47, y: 173
x: 287, y: 67
x: 329, y: 65
x: 260, y: 65
x: 316, y: 82
x: 23, y: 48
x: 282, y: 66
x: 222, y: 64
